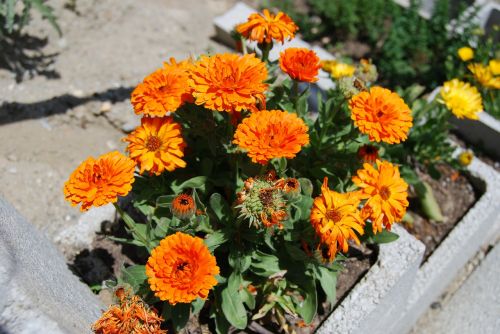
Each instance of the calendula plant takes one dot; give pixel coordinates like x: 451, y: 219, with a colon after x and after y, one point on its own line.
x: 244, y: 200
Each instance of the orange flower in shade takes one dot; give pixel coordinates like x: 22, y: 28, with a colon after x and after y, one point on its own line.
x: 157, y: 145
x: 386, y: 194
x: 164, y: 90
x: 300, y: 64
x: 269, y: 134
x: 181, y: 269
x: 100, y: 181
x: 132, y: 315
x: 264, y: 27
x: 336, y: 219
x: 368, y: 153
x: 183, y: 206
x: 229, y: 82
x: 382, y: 115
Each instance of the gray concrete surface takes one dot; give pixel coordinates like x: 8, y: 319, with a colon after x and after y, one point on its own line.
x: 475, y: 306
x: 373, y: 303
x: 38, y: 293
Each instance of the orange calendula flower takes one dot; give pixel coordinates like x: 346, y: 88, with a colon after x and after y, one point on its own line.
x: 386, y: 194
x: 368, y: 153
x: 181, y: 269
x: 164, y: 90
x: 382, y: 115
x: 100, y: 181
x: 269, y: 134
x: 300, y: 64
x: 183, y: 206
x: 264, y: 27
x: 336, y: 219
x: 131, y: 315
x: 229, y: 82
x: 157, y: 145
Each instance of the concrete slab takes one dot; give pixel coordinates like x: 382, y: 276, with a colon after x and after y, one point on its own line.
x: 475, y: 307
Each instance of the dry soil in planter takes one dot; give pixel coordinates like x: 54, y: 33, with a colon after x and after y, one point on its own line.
x: 455, y: 195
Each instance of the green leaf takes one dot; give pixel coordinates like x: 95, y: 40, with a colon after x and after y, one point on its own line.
x: 308, y: 307
x: 328, y: 280
x: 47, y: 13
x: 306, y: 186
x: 384, y: 237
x: 178, y: 313
x: 126, y: 241
x: 232, y: 305
x: 197, y: 182
x: 214, y: 240
x: 247, y: 298
x: 165, y: 201
x: 265, y: 265
x: 429, y: 203
x: 263, y: 310
x: 197, y: 305
x: 239, y: 261
x: 220, y: 207
x: 134, y: 275
x: 221, y: 324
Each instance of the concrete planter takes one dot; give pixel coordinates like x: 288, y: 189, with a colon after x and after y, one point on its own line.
x: 480, y: 225
x: 484, y: 133
x: 372, y: 304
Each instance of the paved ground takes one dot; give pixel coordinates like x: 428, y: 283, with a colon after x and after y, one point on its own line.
x: 474, y: 306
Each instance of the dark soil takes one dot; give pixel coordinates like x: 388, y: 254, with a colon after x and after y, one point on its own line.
x: 455, y: 195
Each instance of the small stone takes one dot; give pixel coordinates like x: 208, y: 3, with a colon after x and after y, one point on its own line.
x: 12, y: 170
x: 105, y: 107
x: 12, y: 157
x: 78, y: 93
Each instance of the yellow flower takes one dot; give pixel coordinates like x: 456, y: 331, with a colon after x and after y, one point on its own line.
x: 462, y: 99
x: 465, y: 158
x: 494, y: 66
x: 465, y: 53
x: 484, y: 75
x: 338, y: 70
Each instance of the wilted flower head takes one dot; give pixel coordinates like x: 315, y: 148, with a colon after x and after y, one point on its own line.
x: 366, y: 71
x: 261, y: 201
x: 350, y: 86
x: 266, y: 27
x: 131, y: 315
x: 368, y: 153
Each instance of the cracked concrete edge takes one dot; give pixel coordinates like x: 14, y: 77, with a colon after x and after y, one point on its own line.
x: 480, y: 225
x: 39, y: 294
x: 382, y: 292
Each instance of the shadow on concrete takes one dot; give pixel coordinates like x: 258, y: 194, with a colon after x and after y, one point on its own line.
x: 14, y: 112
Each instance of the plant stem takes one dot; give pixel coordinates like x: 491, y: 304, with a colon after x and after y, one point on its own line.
x: 131, y: 226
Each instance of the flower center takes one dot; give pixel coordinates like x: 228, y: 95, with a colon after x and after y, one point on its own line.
x: 153, y: 143
x: 182, y: 265
x: 184, y: 202
x: 385, y: 193
x: 266, y: 197
x: 334, y: 215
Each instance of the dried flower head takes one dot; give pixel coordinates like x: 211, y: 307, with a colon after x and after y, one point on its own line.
x: 289, y: 186
x: 300, y: 64
x: 386, y: 194
x: 261, y: 201
x: 157, y: 145
x: 100, y: 181
x: 465, y: 53
x: 462, y: 99
x: 368, y: 153
x: 366, y: 71
x: 131, y: 315
x: 181, y: 269
x: 229, y: 82
x: 164, y: 90
x: 382, y: 115
x: 183, y: 206
x: 336, y: 219
x: 266, y: 27
x: 269, y: 134
x: 484, y: 75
